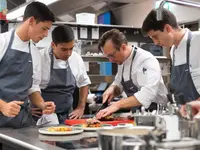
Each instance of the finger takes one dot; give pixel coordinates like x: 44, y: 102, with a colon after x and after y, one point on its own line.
x: 105, y: 98
x: 14, y: 110
x: 15, y: 106
x: 107, y: 113
x: 100, y: 114
x: 18, y: 102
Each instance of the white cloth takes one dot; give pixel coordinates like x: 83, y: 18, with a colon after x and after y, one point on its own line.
x: 51, y: 119
x: 18, y: 44
x: 180, y: 56
x: 75, y: 62
x: 146, y: 76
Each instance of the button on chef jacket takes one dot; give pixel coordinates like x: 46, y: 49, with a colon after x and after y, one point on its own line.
x: 75, y: 62
x: 18, y: 44
x: 180, y: 56
x: 146, y: 76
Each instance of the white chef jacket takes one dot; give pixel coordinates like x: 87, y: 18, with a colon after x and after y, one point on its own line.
x: 18, y: 44
x: 180, y: 56
x: 146, y: 76
x: 75, y: 62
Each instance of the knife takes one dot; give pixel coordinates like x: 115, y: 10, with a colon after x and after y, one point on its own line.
x: 103, y: 106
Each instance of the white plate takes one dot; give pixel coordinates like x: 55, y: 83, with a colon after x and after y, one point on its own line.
x: 74, y: 131
x: 79, y: 126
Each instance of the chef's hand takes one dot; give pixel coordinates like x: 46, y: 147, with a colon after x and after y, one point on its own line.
x: 195, y: 109
x: 11, y: 109
x: 48, y: 107
x: 36, y: 112
x: 108, y: 95
x: 108, y: 111
x: 77, y: 113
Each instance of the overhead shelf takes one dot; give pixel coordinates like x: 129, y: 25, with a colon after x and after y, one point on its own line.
x: 105, y: 59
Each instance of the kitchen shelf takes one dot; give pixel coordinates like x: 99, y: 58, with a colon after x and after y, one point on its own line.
x: 105, y: 59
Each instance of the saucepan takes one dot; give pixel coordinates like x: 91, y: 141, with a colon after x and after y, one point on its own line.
x: 116, y: 138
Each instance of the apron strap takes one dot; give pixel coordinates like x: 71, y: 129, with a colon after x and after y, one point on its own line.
x: 134, y: 53
x: 188, y: 49
x: 52, y: 63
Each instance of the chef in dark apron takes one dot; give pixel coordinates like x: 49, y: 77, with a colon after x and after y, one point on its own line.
x: 181, y: 80
x: 18, y: 74
x: 184, y: 50
x: 139, y: 75
x: 58, y: 81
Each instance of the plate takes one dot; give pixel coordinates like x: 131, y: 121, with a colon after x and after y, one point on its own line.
x: 81, y: 126
x: 46, y: 132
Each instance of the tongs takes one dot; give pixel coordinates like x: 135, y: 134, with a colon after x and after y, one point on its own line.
x: 103, y: 106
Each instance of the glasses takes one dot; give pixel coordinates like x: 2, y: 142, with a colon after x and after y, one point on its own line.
x: 111, y: 55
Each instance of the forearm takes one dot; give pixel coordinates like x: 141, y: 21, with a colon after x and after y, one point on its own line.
x: 198, y: 99
x: 37, y: 100
x: 128, y: 102
x: 83, y: 93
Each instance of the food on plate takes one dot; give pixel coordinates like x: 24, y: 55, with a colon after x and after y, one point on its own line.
x: 107, y: 118
x: 92, y: 123
x: 59, y: 129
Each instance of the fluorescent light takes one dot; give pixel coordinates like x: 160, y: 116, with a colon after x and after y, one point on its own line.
x: 47, y: 2
x: 18, y: 12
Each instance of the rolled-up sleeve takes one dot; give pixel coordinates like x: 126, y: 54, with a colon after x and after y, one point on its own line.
x: 149, y: 79
x: 79, y: 71
x: 83, y: 79
x: 36, y: 59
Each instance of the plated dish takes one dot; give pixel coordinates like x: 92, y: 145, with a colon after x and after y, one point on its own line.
x: 60, y: 130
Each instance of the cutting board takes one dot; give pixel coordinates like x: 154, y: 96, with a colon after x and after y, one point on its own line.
x: 114, y: 123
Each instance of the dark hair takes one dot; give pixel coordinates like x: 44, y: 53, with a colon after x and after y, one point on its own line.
x: 62, y: 34
x: 117, y: 38
x: 151, y: 23
x: 39, y: 11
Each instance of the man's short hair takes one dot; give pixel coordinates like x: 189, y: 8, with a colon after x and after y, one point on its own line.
x: 39, y: 11
x: 118, y: 38
x: 62, y: 34
x: 151, y: 23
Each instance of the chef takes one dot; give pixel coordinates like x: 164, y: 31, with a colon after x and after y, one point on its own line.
x: 184, y: 45
x: 63, y: 70
x: 20, y: 67
x: 139, y: 74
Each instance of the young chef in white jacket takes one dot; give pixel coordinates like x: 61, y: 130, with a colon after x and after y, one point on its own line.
x: 21, y: 68
x: 184, y: 45
x: 139, y: 74
x: 63, y: 70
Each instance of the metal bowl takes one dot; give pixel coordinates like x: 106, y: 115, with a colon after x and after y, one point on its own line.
x: 113, y: 139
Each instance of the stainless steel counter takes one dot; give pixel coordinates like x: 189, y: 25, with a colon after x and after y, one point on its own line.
x: 29, y: 138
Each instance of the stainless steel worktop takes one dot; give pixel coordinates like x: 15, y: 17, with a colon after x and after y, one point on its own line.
x: 29, y: 138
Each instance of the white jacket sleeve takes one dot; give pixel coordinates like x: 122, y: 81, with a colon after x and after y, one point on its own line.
x: 36, y: 59
x: 148, y: 79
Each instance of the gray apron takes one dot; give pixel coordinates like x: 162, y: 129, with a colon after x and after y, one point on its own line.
x: 60, y: 90
x: 130, y: 89
x: 16, y: 79
x: 181, y: 80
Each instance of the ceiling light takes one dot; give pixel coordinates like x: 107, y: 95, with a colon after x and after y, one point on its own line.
x: 19, y: 11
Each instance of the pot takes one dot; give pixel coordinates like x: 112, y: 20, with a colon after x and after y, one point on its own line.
x: 116, y: 138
